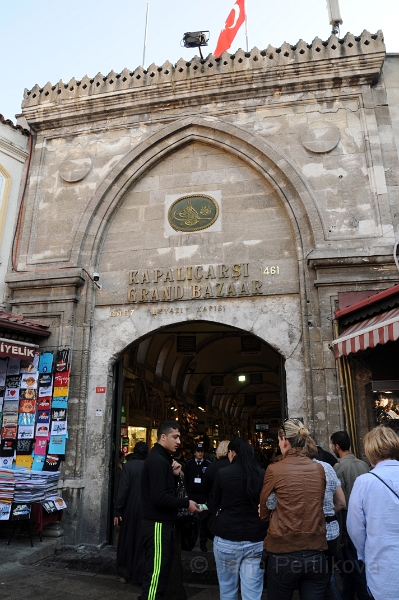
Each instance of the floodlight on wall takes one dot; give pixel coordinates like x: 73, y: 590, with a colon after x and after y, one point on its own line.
x: 334, y: 15
x: 241, y: 378
x: 195, y: 39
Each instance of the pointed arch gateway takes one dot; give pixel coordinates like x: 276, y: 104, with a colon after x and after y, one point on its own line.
x: 271, y: 166
x: 279, y: 321
x: 274, y: 166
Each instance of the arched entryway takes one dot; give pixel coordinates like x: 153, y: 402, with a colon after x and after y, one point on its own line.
x: 216, y: 380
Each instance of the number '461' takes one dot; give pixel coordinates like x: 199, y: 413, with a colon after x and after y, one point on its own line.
x: 271, y: 271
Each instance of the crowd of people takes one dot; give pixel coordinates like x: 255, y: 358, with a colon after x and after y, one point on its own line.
x: 289, y: 527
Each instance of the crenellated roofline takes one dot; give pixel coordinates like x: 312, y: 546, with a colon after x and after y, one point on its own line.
x: 355, y: 58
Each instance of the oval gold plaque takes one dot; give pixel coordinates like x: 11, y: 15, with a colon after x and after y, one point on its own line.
x: 193, y: 213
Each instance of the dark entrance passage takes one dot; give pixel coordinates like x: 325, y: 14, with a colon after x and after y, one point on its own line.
x: 217, y: 381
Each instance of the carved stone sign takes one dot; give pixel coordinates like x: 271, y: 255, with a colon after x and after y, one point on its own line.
x: 193, y: 213
x: 196, y: 282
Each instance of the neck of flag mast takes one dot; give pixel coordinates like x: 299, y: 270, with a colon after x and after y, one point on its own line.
x: 145, y: 33
x: 246, y: 24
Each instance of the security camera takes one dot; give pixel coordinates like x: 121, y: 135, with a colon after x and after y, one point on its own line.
x: 96, y: 277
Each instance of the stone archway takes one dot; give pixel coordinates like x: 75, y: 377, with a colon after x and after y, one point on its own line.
x: 277, y: 324
x: 277, y: 169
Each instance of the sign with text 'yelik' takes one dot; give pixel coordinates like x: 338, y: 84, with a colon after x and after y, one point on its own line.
x: 14, y: 349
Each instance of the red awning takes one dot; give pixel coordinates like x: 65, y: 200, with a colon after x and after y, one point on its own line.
x: 368, y: 333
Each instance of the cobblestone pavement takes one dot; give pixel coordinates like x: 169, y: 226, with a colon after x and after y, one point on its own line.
x: 46, y: 572
x: 66, y: 574
x: 34, y: 582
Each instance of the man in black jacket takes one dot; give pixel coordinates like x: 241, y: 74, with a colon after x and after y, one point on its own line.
x: 160, y: 506
x: 194, y: 473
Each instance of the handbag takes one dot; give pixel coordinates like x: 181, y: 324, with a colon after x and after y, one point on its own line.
x: 181, y: 492
x: 186, y: 524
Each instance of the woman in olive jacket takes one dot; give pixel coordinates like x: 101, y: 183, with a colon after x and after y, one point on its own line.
x: 238, y: 530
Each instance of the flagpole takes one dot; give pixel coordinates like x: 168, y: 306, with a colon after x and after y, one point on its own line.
x: 246, y: 24
x: 145, y: 33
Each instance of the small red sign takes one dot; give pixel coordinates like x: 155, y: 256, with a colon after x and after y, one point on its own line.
x: 101, y: 390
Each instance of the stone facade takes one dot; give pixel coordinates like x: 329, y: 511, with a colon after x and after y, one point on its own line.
x: 14, y: 146
x: 298, y: 146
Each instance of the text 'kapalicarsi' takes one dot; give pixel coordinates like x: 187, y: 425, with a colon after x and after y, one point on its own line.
x: 192, y: 282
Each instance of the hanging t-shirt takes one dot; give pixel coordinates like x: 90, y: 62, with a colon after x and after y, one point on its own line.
x: 46, y: 362
x: 51, y: 463
x: 3, y: 366
x: 14, y: 366
x: 38, y: 462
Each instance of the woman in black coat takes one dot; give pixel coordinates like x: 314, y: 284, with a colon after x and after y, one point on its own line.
x: 237, y: 528
x: 127, y: 513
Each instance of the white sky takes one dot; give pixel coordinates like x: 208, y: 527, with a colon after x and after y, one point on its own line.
x: 49, y: 40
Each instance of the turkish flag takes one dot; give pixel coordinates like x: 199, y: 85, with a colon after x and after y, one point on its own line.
x: 233, y: 23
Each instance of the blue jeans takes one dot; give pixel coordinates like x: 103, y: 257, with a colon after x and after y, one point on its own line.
x: 306, y: 569
x: 235, y: 562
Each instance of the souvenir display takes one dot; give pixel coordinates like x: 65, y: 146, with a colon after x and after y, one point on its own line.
x: 62, y: 360
x: 46, y: 362
x: 5, y: 510
x: 33, y: 486
x: 19, y: 512
x: 29, y: 381
x: 38, y: 460
x: 25, y: 446
x: 30, y: 365
x: 33, y: 426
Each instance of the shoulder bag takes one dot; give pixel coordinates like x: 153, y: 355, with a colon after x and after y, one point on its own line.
x: 388, y: 486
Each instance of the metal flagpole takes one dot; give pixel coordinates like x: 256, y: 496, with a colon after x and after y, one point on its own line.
x: 146, y: 31
x: 246, y: 23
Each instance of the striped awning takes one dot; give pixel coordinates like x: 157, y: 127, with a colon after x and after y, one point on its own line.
x: 368, y: 333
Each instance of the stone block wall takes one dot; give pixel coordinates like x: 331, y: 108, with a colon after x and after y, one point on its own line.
x: 299, y: 147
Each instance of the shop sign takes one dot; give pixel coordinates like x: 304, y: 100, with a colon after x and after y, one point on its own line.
x: 193, y: 213
x: 12, y: 349
x: 195, y: 282
x: 262, y: 427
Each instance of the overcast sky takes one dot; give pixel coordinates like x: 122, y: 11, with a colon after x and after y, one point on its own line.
x: 49, y: 40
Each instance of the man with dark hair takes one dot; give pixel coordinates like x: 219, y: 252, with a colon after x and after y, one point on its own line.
x: 160, y: 506
x: 348, y: 468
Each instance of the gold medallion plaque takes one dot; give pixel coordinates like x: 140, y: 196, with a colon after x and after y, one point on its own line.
x: 193, y: 213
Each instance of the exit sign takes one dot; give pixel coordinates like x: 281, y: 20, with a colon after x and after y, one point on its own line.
x: 101, y: 389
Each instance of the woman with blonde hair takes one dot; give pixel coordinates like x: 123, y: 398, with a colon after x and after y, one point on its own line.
x: 296, y: 538
x: 372, y: 522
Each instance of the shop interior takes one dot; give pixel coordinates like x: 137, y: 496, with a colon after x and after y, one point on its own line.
x: 217, y: 381
x: 376, y: 385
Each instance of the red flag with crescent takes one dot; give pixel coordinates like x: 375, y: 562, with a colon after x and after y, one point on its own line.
x: 233, y: 23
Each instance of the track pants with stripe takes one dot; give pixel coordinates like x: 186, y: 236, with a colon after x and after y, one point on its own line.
x: 158, y: 544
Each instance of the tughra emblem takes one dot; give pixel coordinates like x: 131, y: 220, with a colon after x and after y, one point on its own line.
x: 193, y: 213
